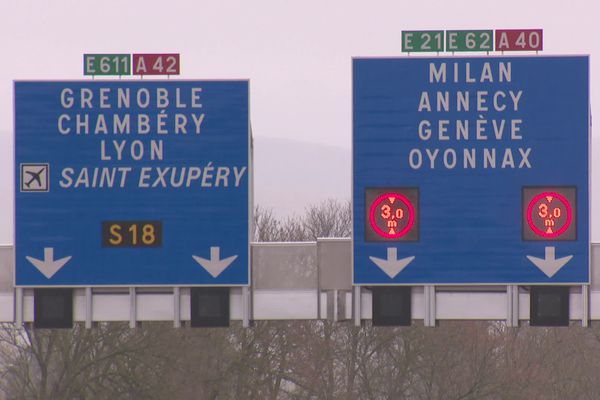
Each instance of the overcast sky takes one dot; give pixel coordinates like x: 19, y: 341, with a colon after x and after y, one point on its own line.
x: 297, y: 55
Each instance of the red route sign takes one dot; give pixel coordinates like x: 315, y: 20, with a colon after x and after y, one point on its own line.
x: 156, y: 64
x: 519, y: 39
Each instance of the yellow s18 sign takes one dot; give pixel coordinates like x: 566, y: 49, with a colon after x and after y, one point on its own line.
x: 131, y: 233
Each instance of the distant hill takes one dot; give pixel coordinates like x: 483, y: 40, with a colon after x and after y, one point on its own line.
x: 6, y: 187
x: 290, y: 175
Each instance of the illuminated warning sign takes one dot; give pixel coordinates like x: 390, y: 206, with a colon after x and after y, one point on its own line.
x: 392, y: 214
x: 549, y: 213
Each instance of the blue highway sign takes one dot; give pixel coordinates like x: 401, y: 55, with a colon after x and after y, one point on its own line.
x: 132, y: 183
x: 471, y: 170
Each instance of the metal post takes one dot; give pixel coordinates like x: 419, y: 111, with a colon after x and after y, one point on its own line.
x: 430, y: 309
x: 88, y: 308
x: 433, y: 310
x: 585, y: 305
x: 132, y: 308
x: 246, y: 304
x: 357, y: 310
x: 318, y: 284
x: 176, y: 307
x: 426, y: 309
x: 19, y: 307
x: 514, y: 299
x: 335, y: 305
x: 512, y: 306
x: 509, y: 306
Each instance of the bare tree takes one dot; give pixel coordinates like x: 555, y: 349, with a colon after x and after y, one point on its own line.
x: 301, y: 360
x: 267, y: 228
x: 111, y: 361
x: 328, y: 219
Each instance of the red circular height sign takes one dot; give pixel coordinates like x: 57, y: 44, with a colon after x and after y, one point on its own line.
x: 549, y: 214
x: 392, y: 215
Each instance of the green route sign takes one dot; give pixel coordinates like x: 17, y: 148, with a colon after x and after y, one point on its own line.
x: 470, y: 40
x: 107, y: 64
x: 482, y: 40
x: 422, y: 41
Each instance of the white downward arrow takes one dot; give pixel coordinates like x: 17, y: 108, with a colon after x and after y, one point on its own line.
x: 48, y: 266
x: 550, y: 264
x: 215, y: 265
x: 392, y: 266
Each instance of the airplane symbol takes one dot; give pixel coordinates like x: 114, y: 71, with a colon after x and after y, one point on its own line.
x: 35, y: 177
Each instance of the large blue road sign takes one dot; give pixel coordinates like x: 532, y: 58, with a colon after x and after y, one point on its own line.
x: 132, y: 183
x: 471, y: 170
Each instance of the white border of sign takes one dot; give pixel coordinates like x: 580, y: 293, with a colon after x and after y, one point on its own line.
x: 250, y: 193
x: 462, y: 55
